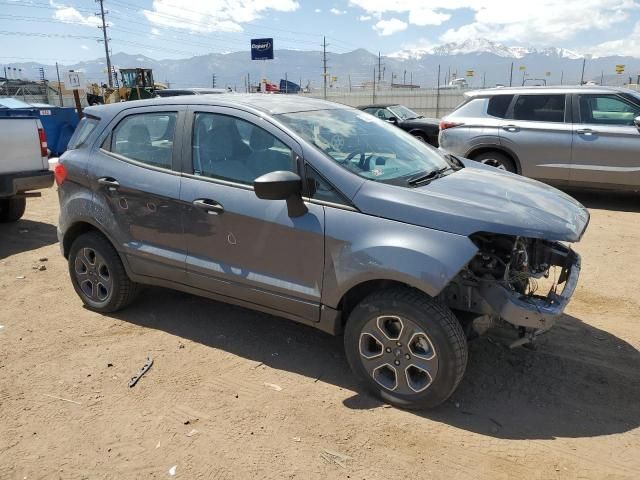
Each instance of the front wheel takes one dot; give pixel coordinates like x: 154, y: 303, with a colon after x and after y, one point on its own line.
x: 406, y: 347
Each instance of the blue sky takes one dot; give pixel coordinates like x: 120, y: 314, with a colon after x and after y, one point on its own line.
x: 66, y: 31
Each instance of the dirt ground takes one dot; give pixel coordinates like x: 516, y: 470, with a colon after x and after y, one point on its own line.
x: 235, y: 394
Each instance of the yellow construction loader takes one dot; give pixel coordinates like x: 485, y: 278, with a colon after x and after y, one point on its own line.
x: 134, y: 84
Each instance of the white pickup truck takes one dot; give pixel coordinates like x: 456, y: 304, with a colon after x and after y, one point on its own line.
x: 23, y: 164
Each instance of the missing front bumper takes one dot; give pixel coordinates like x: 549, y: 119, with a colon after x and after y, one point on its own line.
x: 533, y: 311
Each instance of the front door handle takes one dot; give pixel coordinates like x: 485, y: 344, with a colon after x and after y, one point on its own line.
x: 587, y: 132
x: 210, y: 206
x: 511, y: 128
x: 109, y: 182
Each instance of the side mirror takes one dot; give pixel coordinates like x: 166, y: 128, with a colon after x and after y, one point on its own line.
x: 393, y: 120
x: 636, y: 122
x: 282, y: 185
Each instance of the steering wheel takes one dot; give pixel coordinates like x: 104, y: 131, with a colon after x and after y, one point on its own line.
x: 363, y: 162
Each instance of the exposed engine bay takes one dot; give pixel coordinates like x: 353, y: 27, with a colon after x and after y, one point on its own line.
x: 526, y: 282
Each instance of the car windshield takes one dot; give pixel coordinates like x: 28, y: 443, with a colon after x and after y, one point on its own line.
x: 402, y: 112
x: 365, y: 145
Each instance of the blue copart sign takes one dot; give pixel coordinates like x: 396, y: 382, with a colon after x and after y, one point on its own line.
x: 262, y: 49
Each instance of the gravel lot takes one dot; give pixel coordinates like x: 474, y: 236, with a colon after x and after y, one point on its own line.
x: 239, y: 394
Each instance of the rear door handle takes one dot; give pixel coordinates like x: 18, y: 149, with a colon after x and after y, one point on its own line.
x: 587, y: 132
x: 511, y: 128
x: 111, y: 183
x: 210, y: 206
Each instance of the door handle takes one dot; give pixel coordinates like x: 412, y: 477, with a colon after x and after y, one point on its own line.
x: 210, y: 206
x: 511, y: 128
x: 587, y: 132
x: 111, y: 183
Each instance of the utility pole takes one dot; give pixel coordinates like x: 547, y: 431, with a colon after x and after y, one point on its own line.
x: 511, y: 76
x: 59, y: 84
x: 249, y: 82
x: 484, y: 79
x: 379, y: 67
x: 602, y: 78
x: 373, y: 97
x: 438, y: 95
x: 562, y: 77
x: 213, y: 80
x: 286, y: 83
x: 584, y: 61
x: 324, y: 66
x: 106, y: 40
x: 404, y: 78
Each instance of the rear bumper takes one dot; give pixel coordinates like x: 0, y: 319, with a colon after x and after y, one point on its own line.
x: 534, y: 311
x: 12, y: 184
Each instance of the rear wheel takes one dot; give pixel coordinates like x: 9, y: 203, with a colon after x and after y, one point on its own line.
x: 496, y: 159
x: 420, y: 136
x: 12, y: 209
x: 97, y: 274
x: 406, y: 347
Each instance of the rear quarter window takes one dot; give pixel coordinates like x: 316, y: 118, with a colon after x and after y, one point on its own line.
x: 86, y: 126
x: 499, y: 105
x: 474, y: 108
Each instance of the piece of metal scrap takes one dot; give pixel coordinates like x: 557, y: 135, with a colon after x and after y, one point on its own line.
x: 143, y: 370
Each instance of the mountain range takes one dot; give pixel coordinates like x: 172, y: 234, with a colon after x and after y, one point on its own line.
x: 490, y: 62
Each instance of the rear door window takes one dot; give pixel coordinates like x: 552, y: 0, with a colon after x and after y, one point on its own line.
x: 499, y: 105
x: 540, y: 108
x: 146, y: 138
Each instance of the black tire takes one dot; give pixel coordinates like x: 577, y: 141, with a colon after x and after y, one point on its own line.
x: 429, y: 324
x: 496, y: 159
x: 102, y: 285
x: 12, y: 209
x: 420, y: 136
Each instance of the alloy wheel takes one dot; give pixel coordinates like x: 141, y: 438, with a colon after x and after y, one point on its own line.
x: 493, y: 162
x: 398, y: 354
x: 93, y: 275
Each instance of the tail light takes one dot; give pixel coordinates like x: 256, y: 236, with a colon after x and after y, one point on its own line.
x: 444, y: 124
x: 44, y: 152
x: 60, y: 173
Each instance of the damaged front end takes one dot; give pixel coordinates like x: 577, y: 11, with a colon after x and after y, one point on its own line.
x: 526, y: 282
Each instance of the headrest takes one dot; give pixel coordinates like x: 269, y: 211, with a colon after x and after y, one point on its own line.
x: 260, y: 140
x: 139, y: 134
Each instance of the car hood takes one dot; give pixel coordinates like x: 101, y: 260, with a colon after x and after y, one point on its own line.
x: 478, y: 198
x: 418, y: 122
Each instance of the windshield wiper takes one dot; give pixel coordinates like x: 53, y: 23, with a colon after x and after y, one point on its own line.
x: 425, y: 178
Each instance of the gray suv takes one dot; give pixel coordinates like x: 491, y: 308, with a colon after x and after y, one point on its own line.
x: 564, y: 136
x: 248, y: 199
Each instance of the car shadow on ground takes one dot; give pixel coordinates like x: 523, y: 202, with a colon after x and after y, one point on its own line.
x: 602, y: 200
x: 581, y: 381
x: 24, y: 235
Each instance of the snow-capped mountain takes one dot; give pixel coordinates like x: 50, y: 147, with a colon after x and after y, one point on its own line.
x: 482, y: 46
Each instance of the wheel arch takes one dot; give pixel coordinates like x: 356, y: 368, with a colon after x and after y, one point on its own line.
x: 354, y: 295
x: 480, y: 149
x: 80, y: 227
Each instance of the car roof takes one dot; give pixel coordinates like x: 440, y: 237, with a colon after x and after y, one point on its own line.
x: 257, y: 102
x: 559, y: 89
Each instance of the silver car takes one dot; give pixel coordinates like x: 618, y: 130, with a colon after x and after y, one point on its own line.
x: 565, y: 136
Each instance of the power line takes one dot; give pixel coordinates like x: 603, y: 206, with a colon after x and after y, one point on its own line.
x: 47, y: 35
